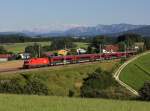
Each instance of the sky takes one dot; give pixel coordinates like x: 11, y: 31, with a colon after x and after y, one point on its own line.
x: 28, y: 14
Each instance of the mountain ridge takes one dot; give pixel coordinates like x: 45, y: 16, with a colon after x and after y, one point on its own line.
x: 99, y: 29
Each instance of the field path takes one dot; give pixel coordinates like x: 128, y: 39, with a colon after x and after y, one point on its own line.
x: 117, y: 73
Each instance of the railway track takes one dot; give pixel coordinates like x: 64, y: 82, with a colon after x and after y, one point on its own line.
x: 58, y: 65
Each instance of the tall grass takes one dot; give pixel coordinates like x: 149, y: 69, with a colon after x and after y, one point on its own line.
x: 47, y: 103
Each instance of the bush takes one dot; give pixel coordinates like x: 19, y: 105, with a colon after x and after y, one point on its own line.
x: 2, y: 50
x: 115, y: 92
x: 145, y: 92
x: 36, y: 86
x: 24, y: 85
x: 96, y: 82
x: 13, y: 86
x: 101, y: 84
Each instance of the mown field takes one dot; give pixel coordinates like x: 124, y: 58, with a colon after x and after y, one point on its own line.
x: 51, y: 103
x: 61, y: 79
x: 137, y: 72
x: 19, y: 47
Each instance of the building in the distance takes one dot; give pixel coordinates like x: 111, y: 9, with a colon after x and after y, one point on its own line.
x: 5, y: 57
x: 110, y: 48
x: 81, y: 51
x: 139, y: 45
x: 24, y: 55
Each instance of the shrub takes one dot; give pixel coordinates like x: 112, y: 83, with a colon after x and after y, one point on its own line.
x: 96, y: 82
x: 14, y: 86
x: 71, y: 93
x: 24, y: 85
x: 101, y: 84
x: 36, y: 86
x: 145, y: 92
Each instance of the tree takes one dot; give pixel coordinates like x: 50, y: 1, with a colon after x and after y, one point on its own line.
x: 145, y: 91
x: 96, y: 82
x: 97, y: 42
x: 122, y: 46
x: 58, y: 44
x: 101, y: 84
x: 2, y: 50
x: 129, y: 39
x: 34, y: 50
x: 147, y: 43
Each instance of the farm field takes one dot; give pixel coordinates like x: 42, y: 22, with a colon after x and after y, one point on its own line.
x: 137, y: 72
x: 52, y: 103
x: 61, y: 79
x: 19, y: 47
x: 11, y: 64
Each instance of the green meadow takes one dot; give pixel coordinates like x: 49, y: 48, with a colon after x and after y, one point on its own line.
x: 137, y: 72
x: 20, y: 47
x: 52, y: 103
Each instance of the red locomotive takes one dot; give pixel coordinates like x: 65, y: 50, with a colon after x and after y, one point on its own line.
x: 70, y: 59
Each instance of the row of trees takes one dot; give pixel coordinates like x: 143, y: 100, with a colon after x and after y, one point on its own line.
x: 97, y: 43
x: 21, y: 38
x: 58, y: 44
x: 36, y: 50
x: 125, y: 41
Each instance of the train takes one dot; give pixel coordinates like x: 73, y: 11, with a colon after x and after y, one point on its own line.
x: 73, y: 59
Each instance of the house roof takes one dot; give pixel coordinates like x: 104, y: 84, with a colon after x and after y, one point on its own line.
x: 5, y: 55
x: 48, y: 53
x: 115, y: 48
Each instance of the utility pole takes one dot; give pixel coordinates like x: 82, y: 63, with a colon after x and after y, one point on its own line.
x: 65, y: 55
x: 39, y: 51
x: 100, y: 47
x: 125, y: 50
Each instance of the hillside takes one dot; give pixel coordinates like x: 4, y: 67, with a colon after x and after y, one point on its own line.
x: 48, y: 103
x: 101, y: 29
x: 137, y: 72
x: 61, y: 79
x: 144, y: 31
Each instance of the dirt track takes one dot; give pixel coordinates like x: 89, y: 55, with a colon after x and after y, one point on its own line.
x: 117, y: 74
x: 11, y: 65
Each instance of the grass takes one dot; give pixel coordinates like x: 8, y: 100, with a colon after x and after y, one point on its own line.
x: 51, y: 103
x: 61, y: 79
x: 137, y: 72
x: 19, y: 47
x: 81, y: 44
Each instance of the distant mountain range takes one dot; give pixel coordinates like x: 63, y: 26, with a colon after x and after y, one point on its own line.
x: 114, y: 29
x: 102, y: 29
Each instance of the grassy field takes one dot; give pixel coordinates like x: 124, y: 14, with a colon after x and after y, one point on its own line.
x: 137, y: 72
x: 61, y: 79
x: 19, y: 47
x: 48, y: 103
x: 81, y: 44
